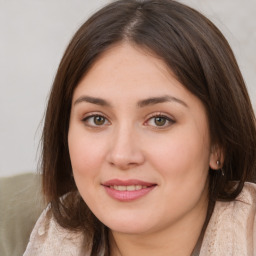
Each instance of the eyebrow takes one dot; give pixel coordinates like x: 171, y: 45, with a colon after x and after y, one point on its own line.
x: 93, y: 100
x: 161, y: 99
x: 140, y: 104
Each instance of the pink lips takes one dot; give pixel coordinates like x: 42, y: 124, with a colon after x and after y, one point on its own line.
x: 127, y: 190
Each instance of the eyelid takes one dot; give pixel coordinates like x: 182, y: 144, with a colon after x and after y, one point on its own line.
x: 161, y: 114
x: 94, y: 114
x: 170, y: 119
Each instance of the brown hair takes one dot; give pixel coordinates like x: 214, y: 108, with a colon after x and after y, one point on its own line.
x: 201, y: 59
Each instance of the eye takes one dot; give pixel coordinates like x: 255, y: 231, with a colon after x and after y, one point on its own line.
x: 160, y: 121
x: 96, y: 121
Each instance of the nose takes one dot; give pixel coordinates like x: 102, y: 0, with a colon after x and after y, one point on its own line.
x: 125, y: 150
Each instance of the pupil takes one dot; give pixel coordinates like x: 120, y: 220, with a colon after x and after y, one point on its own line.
x: 99, y: 120
x: 160, y: 121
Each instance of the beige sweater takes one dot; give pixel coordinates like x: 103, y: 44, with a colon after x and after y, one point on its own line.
x: 230, y: 232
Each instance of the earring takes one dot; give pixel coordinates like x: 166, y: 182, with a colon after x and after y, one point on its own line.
x: 218, y: 163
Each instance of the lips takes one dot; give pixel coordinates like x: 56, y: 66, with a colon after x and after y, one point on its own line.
x: 127, y: 190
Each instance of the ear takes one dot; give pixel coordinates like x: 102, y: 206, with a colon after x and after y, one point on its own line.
x: 216, y: 157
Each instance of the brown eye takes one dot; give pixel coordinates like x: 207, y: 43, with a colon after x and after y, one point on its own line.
x: 99, y: 120
x: 160, y: 121
x: 95, y: 121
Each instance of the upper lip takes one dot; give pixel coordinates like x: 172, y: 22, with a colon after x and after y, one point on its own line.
x: 130, y: 182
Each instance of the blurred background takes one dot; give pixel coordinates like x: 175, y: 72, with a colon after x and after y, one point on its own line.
x: 33, y: 37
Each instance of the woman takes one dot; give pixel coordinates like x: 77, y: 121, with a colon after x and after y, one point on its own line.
x: 149, y: 139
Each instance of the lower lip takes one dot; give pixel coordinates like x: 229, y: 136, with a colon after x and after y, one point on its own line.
x: 126, y: 196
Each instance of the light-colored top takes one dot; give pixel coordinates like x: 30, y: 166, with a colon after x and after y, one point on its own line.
x: 230, y: 232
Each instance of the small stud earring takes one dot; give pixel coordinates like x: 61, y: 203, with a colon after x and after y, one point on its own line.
x: 218, y: 163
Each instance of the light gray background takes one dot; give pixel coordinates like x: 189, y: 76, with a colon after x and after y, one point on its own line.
x: 33, y: 37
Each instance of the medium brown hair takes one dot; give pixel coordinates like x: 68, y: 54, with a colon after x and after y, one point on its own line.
x: 201, y: 59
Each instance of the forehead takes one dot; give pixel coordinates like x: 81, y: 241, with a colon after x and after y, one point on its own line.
x: 128, y: 68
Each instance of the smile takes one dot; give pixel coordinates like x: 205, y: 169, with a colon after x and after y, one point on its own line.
x: 128, y: 190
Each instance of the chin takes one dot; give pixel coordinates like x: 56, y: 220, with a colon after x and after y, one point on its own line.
x: 130, y: 229
x: 128, y: 225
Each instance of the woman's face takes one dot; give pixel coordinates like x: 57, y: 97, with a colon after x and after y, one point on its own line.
x: 139, y: 144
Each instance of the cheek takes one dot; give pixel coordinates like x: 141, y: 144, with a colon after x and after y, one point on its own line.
x: 86, y: 159
x: 183, y: 164
x: 86, y: 153
x: 183, y: 156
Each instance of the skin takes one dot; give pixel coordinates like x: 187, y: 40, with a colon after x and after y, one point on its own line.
x: 127, y: 141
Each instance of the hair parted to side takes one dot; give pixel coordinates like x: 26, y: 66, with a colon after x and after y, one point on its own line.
x: 201, y: 59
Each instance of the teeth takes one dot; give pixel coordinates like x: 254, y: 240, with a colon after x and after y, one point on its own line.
x: 128, y: 188
x: 120, y: 188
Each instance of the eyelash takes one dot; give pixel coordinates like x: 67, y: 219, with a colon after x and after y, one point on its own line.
x: 167, y: 121
x: 86, y: 120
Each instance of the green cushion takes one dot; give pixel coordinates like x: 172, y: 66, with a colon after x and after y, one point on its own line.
x: 20, y: 206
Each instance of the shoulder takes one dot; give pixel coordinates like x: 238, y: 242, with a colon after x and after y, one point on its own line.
x: 49, y: 238
x: 248, y: 195
x: 232, y: 228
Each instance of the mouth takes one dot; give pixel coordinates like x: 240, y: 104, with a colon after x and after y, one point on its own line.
x: 127, y: 190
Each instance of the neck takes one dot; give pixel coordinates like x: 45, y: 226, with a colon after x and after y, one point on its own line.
x: 178, y: 239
